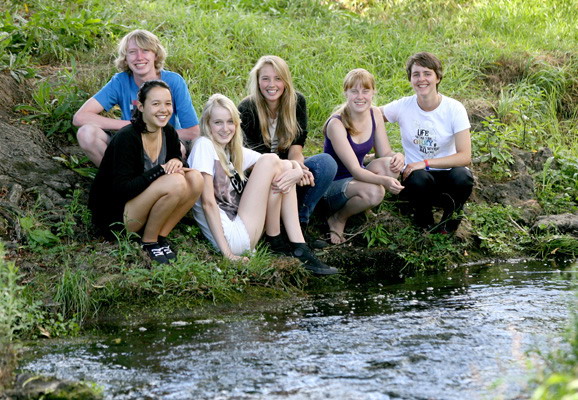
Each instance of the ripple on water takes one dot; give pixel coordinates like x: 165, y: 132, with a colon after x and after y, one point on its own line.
x: 464, y: 337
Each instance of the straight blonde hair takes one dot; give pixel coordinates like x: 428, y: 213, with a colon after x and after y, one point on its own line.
x: 358, y: 76
x: 235, y: 147
x: 287, y: 127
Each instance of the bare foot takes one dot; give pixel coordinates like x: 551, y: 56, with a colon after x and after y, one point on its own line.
x: 336, y: 228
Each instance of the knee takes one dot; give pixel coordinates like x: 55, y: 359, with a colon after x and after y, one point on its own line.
x: 87, y: 135
x: 462, y: 177
x: 376, y: 195
x: 322, y: 166
x: 195, y: 181
x: 271, y: 162
x: 175, y: 185
x: 373, y: 194
x: 419, y: 180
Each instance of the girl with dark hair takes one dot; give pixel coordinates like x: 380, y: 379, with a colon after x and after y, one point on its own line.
x: 141, y: 184
x: 435, y: 134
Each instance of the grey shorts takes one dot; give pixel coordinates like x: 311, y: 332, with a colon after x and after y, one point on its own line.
x: 335, y: 195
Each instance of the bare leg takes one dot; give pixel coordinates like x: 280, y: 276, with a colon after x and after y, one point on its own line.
x: 194, y: 181
x: 93, y: 141
x: 156, y: 205
x: 255, y: 199
x: 290, y: 217
x: 362, y: 196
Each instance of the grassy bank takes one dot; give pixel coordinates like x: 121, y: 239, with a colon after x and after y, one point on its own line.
x: 512, y: 63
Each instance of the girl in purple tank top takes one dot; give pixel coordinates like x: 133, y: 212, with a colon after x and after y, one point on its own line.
x: 350, y: 134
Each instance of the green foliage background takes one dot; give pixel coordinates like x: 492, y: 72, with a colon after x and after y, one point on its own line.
x: 512, y: 63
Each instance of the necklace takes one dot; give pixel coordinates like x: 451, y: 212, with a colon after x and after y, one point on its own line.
x: 152, y: 146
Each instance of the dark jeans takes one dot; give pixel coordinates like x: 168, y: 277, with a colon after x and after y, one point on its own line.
x: 449, y: 189
x: 323, y: 167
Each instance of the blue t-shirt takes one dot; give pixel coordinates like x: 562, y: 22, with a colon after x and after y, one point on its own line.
x: 121, y: 90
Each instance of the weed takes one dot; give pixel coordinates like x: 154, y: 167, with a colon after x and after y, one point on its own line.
x: 565, y: 246
x: 128, y: 248
x: 54, y: 105
x: 76, y: 219
x: 557, y: 185
x: 73, y: 294
x: 81, y: 166
x: 496, y: 228
x: 38, y: 235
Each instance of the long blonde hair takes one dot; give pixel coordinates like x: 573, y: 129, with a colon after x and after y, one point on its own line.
x: 145, y: 40
x: 235, y: 147
x: 287, y: 127
x: 358, y: 76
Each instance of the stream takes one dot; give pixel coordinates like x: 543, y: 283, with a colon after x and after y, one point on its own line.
x: 467, y: 335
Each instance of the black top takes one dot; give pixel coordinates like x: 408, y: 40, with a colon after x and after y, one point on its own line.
x: 121, y: 175
x: 252, y: 129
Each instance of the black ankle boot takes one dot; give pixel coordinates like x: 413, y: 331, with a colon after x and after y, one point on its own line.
x: 277, y: 245
x: 310, y: 260
x: 310, y: 240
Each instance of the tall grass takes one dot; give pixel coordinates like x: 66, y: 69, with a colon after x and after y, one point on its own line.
x: 215, y: 43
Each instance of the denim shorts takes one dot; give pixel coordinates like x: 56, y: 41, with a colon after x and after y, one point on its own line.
x: 335, y: 195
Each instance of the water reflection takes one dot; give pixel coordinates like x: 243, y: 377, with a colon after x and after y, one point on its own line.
x: 444, y: 337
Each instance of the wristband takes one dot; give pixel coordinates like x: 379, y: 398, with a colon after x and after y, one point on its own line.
x: 426, y: 165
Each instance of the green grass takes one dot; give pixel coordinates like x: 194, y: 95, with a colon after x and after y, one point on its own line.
x: 511, y: 62
x: 214, y: 44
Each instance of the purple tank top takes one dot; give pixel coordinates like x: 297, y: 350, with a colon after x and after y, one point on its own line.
x: 360, y: 149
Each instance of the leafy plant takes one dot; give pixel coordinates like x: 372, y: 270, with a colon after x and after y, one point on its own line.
x: 13, y: 317
x: 38, y: 235
x: 54, y: 104
x: 52, y: 29
x: 82, y: 166
x: 492, y: 148
x: 496, y: 228
x: 557, y: 185
x: 13, y: 306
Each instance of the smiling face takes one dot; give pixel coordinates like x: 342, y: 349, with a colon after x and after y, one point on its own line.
x: 157, y: 108
x: 271, y: 85
x: 141, y: 61
x: 359, y: 98
x: 423, y: 80
x: 222, y: 125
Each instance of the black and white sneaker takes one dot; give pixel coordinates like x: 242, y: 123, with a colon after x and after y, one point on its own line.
x: 310, y: 260
x: 155, y: 252
x: 165, y: 245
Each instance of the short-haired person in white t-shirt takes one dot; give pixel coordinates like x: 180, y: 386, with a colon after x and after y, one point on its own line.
x: 435, y: 133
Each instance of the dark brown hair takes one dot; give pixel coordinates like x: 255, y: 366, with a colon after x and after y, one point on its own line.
x: 426, y: 60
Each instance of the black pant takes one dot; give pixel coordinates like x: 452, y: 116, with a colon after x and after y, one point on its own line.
x: 448, y: 189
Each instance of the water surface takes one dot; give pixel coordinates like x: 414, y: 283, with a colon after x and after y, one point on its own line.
x: 459, y: 336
